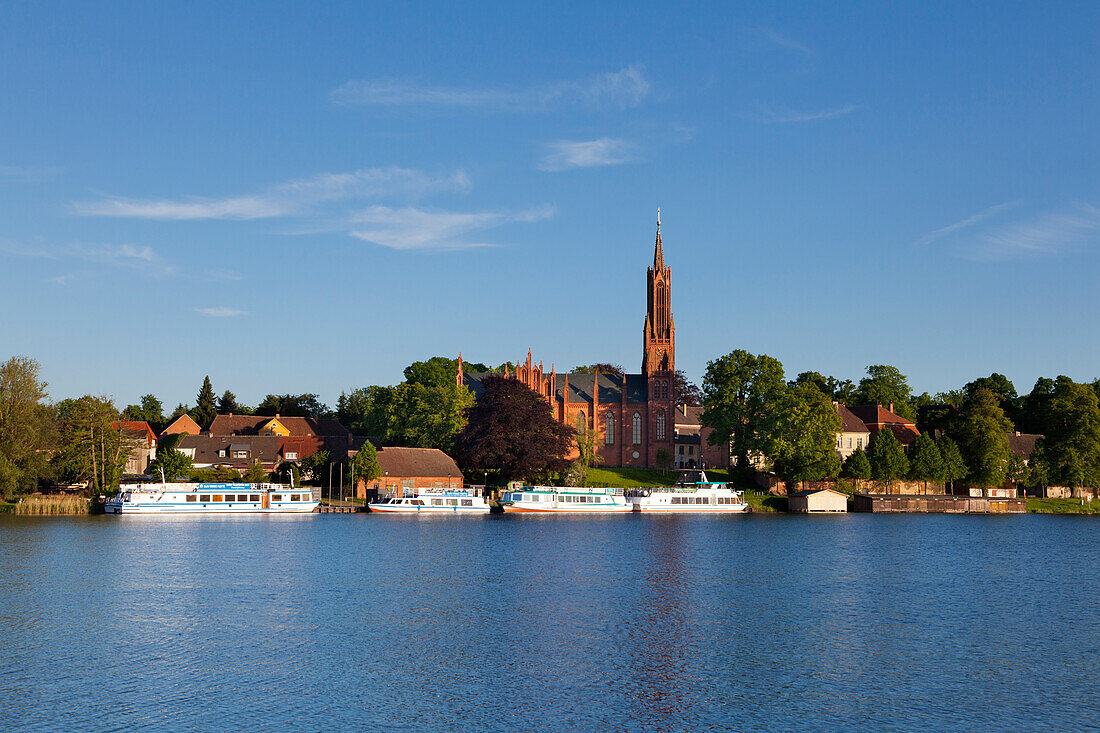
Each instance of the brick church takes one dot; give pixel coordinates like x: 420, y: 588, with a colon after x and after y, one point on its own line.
x: 633, y: 415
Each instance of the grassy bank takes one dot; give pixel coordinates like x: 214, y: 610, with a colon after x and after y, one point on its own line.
x: 629, y: 478
x: 55, y: 505
x: 1062, y: 506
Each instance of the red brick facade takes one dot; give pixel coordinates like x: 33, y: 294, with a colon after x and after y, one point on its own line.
x: 633, y: 415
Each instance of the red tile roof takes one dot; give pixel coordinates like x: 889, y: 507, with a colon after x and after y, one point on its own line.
x: 417, y: 462
x: 136, y: 429
x: 298, y: 426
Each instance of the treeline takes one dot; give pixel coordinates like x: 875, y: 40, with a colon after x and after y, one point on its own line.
x: 791, y: 426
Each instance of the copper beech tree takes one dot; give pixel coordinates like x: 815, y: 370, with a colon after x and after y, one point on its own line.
x: 510, y: 431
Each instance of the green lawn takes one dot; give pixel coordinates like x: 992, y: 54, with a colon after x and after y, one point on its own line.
x: 1062, y: 506
x: 629, y: 478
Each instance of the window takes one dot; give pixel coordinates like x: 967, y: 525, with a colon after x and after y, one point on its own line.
x: 681, y: 451
x: 691, y: 450
x: 291, y: 455
x: 660, y: 424
x: 276, y: 497
x: 240, y: 454
x: 254, y: 497
x: 191, y: 497
x: 609, y: 430
x: 467, y: 502
x: 218, y: 497
x: 581, y: 422
x: 437, y: 502
x: 859, y: 442
x: 849, y: 441
x: 637, y: 428
x: 204, y: 497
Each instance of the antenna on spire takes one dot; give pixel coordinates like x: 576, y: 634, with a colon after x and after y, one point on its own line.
x: 658, y: 217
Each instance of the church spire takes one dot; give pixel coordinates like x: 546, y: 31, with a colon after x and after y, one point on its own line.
x: 658, y: 250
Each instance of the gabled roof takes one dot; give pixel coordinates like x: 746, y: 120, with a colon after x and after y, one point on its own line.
x: 263, y: 448
x: 849, y: 422
x: 1022, y: 444
x: 877, y: 417
x: 581, y: 386
x: 410, y: 462
x: 298, y: 426
x: 136, y: 429
x: 182, y: 424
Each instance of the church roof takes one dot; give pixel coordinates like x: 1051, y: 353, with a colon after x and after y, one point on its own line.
x: 581, y: 386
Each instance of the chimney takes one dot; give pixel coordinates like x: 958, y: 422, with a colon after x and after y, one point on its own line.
x: 231, y: 414
x: 1017, y: 433
x: 276, y: 414
x: 891, y: 407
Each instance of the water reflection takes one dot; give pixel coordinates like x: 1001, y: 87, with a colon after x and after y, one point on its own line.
x: 504, y: 623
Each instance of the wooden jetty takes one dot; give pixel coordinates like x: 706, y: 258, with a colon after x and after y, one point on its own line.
x: 340, y: 509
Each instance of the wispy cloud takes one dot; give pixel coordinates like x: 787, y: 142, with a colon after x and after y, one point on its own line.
x: 286, y: 199
x: 220, y: 312
x: 221, y: 275
x: 123, y: 256
x: 990, y: 236
x: 412, y: 228
x: 618, y: 89
x: 28, y: 172
x: 783, y: 41
x: 969, y: 221
x: 565, y: 154
x: 1046, y: 234
x: 777, y: 115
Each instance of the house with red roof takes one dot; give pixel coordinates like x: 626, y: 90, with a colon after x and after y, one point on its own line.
x: 143, y: 445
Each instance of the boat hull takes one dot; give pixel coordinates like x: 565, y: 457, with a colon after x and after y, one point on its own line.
x: 527, y: 509
x: 403, y: 509
x: 697, y: 509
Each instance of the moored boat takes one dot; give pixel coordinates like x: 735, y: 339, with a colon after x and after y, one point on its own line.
x: 206, y: 498
x: 690, y: 496
x: 554, y: 499
x: 435, y: 501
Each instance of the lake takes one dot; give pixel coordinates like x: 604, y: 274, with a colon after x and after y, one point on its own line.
x: 755, y: 622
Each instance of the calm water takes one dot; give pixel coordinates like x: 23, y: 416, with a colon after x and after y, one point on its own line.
x: 547, y: 623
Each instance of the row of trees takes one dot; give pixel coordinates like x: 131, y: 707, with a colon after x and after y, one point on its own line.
x: 792, y: 425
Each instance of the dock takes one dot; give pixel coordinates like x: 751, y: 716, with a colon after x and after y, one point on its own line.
x: 938, y: 504
x: 340, y: 509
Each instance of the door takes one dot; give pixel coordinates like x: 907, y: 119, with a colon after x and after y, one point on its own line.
x: 265, y: 500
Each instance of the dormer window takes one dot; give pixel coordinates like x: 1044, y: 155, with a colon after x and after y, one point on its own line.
x: 291, y: 455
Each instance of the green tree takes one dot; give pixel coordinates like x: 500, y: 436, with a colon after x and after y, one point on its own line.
x: 256, y: 474
x: 510, y: 430
x: 366, y: 462
x: 181, y: 409
x: 740, y: 394
x: 1071, y: 427
x: 315, y: 466
x: 983, y: 432
x: 885, y: 384
x: 685, y: 391
x: 25, y: 425
x: 839, y: 390
x: 954, y: 467
x: 206, y: 408
x: 428, y: 417
x: 169, y: 459
x: 368, y: 411
x: 925, y: 461
x: 601, y: 367
x: 227, y: 404
x: 94, y: 447
x: 804, y: 428
x: 150, y: 410
x: 888, y: 461
x: 663, y: 458
x: 289, y: 405
x: 438, y: 371
x: 856, y: 466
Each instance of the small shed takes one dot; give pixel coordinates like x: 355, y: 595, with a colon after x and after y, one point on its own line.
x: 818, y: 501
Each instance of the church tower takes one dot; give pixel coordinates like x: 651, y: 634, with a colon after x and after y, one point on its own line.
x: 659, y: 335
x: 659, y: 360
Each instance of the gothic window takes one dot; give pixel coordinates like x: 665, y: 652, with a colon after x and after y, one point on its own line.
x: 660, y: 424
x: 637, y: 428
x: 581, y: 422
x: 609, y: 429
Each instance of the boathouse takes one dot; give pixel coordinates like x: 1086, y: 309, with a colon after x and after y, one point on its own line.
x: 820, y: 501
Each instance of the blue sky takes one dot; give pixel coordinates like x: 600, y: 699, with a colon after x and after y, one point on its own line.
x: 305, y: 197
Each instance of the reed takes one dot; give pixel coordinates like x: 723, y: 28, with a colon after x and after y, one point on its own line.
x: 53, y: 504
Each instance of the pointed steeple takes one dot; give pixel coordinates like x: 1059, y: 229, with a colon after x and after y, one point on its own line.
x: 658, y: 250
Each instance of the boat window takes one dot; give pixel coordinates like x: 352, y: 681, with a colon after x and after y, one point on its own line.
x: 218, y: 497
x: 276, y: 497
x: 452, y: 502
x: 191, y: 497
x: 467, y: 502
x: 254, y: 497
x: 437, y: 502
x: 204, y: 497
x: 418, y: 502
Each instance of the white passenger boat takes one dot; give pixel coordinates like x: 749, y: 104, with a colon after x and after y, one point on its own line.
x: 435, y: 501
x: 192, y: 498
x: 564, y: 499
x: 695, y: 496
